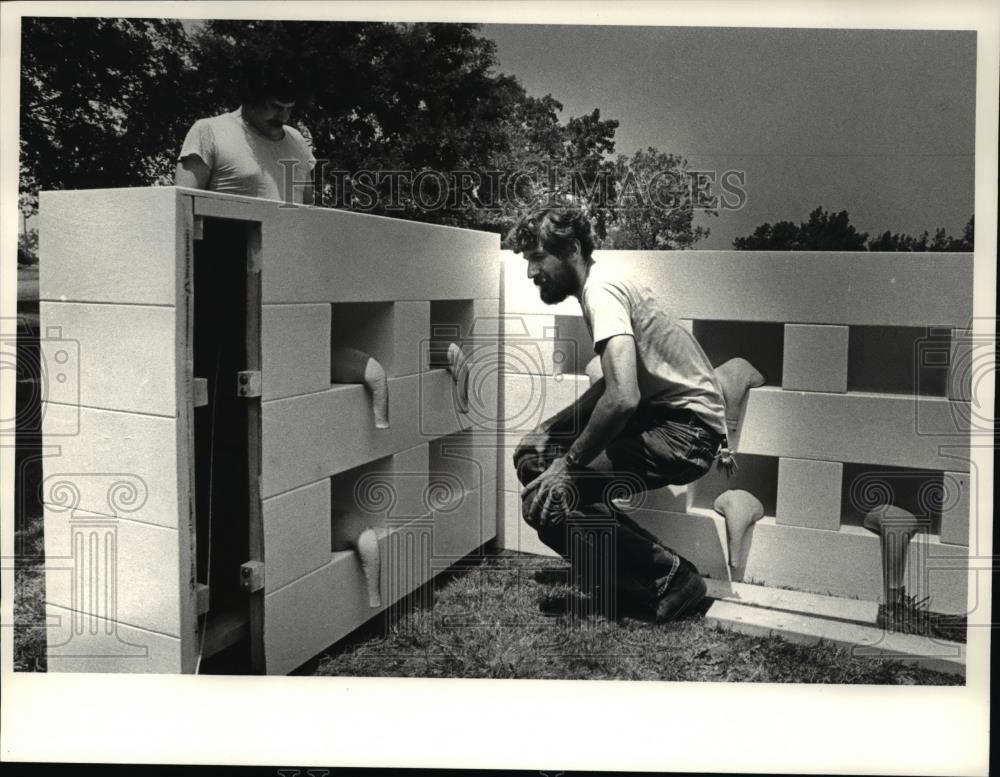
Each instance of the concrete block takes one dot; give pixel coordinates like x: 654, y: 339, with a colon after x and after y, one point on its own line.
x: 793, y: 602
x: 115, y: 569
x: 328, y: 255
x: 295, y: 343
x: 111, y: 245
x: 111, y: 462
x: 296, y: 533
x: 439, y: 413
x: 118, y: 357
x: 465, y: 524
x: 854, y: 427
x: 529, y: 343
x: 809, y: 493
x: 941, y: 572
x: 411, y: 334
x: 955, y: 508
x: 699, y: 536
x: 310, y: 437
x: 862, y: 288
x: 848, y: 563
x: 815, y: 358
x: 531, y: 399
x: 464, y: 458
x: 313, y: 612
x: 410, y: 480
x: 82, y: 643
x: 867, y: 641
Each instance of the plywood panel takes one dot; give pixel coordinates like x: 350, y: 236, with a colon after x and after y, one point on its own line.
x: 815, y: 358
x: 118, y: 569
x: 296, y: 349
x: 119, y: 357
x: 78, y: 643
x: 296, y: 533
x: 891, y: 289
x: 109, y: 245
x: 809, y: 493
x: 111, y: 461
x: 326, y: 255
x: 859, y: 427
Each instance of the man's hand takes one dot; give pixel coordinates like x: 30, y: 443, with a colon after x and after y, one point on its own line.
x: 551, y: 492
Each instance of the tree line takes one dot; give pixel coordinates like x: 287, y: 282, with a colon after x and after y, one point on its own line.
x: 106, y: 102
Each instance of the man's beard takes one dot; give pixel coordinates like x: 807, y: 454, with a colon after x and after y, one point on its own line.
x: 557, y: 288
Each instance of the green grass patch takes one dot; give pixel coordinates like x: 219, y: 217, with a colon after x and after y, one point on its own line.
x: 490, y: 623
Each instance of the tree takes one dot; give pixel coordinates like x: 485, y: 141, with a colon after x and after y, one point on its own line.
x: 889, y: 241
x: 655, y: 203
x: 103, y: 102
x: 27, y: 247
x: 823, y: 232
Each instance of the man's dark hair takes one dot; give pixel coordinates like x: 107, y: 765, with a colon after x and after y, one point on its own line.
x: 554, y: 229
x: 279, y: 75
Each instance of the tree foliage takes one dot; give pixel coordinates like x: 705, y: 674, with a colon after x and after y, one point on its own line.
x: 889, y: 241
x: 823, y: 232
x: 107, y: 103
x: 656, y: 202
x: 833, y: 232
x: 102, y: 102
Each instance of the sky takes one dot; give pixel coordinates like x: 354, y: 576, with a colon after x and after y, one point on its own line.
x: 880, y: 123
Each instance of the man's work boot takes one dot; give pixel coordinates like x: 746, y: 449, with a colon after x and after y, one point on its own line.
x: 682, y: 594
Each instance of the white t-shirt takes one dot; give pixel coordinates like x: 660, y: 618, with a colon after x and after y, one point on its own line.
x: 672, y: 369
x: 243, y: 161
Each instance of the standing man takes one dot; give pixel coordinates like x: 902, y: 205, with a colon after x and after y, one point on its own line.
x: 242, y: 152
x: 656, y: 417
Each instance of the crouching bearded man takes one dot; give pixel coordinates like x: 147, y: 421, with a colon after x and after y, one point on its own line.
x: 656, y: 417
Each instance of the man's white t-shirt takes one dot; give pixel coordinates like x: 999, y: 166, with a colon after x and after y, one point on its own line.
x: 672, y: 369
x: 243, y: 161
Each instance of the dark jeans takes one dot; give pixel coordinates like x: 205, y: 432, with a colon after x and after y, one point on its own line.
x: 657, y: 447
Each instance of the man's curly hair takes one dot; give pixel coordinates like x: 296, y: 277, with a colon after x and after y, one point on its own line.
x: 554, y: 229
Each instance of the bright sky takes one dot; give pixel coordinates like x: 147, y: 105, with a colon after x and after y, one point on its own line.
x: 876, y: 122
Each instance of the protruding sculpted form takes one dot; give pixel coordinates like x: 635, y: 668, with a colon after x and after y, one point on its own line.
x: 458, y: 366
x: 741, y: 509
x: 353, y: 366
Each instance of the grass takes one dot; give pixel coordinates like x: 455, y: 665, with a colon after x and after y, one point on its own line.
x: 489, y: 623
x: 29, y: 599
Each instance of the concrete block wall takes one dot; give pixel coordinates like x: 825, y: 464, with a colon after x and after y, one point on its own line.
x: 116, y: 269
x: 866, y: 399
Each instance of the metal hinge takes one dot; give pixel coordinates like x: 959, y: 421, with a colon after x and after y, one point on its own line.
x: 252, y: 576
x: 248, y: 383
